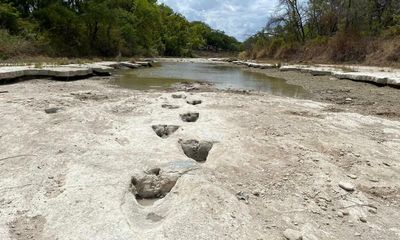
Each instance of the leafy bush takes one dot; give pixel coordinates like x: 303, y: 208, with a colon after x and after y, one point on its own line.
x: 9, y: 17
x: 394, y: 30
x: 14, y: 45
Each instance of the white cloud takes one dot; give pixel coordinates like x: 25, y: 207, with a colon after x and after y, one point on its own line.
x: 239, y: 18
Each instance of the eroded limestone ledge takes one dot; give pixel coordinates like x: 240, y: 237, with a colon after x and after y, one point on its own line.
x: 375, y: 75
x: 66, y: 72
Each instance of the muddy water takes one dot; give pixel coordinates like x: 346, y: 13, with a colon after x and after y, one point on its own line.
x: 221, y: 76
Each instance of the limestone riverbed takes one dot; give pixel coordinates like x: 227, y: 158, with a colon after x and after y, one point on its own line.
x: 114, y: 163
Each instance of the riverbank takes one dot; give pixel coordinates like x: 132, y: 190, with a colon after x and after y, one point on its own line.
x: 277, y: 166
x: 375, y: 75
x: 345, y: 95
x: 66, y: 72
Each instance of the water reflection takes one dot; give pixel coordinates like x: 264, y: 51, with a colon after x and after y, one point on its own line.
x: 223, y: 77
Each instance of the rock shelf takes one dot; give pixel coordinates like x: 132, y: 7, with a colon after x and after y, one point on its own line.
x: 375, y: 75
x: 65, y: 72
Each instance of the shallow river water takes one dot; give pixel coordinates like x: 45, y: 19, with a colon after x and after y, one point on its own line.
x: 221, y: 76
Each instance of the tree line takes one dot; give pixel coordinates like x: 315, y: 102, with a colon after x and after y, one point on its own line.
x: 344, y: 27
x: 109, y: 28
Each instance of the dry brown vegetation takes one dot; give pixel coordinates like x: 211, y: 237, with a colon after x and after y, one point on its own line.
x: 328, y: 31
x: 338, y: 49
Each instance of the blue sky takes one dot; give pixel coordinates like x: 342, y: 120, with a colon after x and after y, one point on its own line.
x: 238, y: 18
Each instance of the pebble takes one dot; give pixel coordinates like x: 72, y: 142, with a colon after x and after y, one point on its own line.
x: 177, y: 96
x: 51, y: 110
x: 194, y: 102
x: 349, y: 99
x: 352, y: 176
x: 292, y: 234
x: 243, y: 197
x: 340, y: 214
x: 169, y: 106
x: 373, y: 211
x: 347, y: 186
x: 362, y: 219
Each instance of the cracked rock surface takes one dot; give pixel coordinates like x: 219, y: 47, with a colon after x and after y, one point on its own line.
x: 278, y: 164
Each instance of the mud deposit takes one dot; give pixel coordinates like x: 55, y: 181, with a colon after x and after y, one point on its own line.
x: 345, y: 95
x: 108, y: 165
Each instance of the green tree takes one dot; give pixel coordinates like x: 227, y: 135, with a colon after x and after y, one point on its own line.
x: 108, y: 28
x: 9, y: 17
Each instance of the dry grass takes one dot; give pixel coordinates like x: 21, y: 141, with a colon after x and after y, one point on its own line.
x: 386, y: 52
x: 341, y: 48
x: 347, y: 47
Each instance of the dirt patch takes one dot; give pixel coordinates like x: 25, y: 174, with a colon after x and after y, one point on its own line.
x: 178, y: 96
x: 333, y: 109
x: 351, y: 96
x: 25, y: 227
x: 190, y: 117
x: 304, y: 114
x: 389, y: 194
x: 164, y: 131
x: 196, y: 150
x: 85, y: 96
x: 169, y: 106
x: 55, y: 186
x: 154, y: 217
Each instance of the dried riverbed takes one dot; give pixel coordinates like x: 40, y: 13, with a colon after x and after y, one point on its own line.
x: 346, y: 95
x: 114, y: 163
